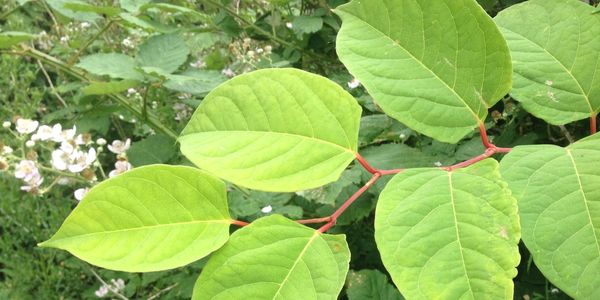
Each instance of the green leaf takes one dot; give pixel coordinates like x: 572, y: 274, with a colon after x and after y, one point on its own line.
x: 307, y: 24
x: 11, y: 38
x: 277, y: 130
x: 115, y: 65
x: 112, y: 87
x: 60, y: 7
x: 84, y: 7
x: 155, y: 149
x: 147, y: 219
x: 449, y: 235
x: 370, y: 284
x: 276, y: 258
x: 553, y: 44
x: 132, y: 6
x: 558, y: 195
x: 165, y: 51
x: 435, y: 66
x: 195, y: 82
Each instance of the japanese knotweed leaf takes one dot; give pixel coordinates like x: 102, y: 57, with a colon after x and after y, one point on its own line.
x: 276, y: 258
x: 558, y: 191
x: 436, y: 66
x: 275, y: 130
x: 149, y: 219
x: 449, y: 235
x: 554, y: 45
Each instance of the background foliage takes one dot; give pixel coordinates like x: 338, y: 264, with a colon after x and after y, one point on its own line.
x: 205, y: 42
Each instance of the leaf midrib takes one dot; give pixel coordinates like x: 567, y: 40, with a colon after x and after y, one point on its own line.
x: 349, y: 150
x: 53, y: 241
x: 300, y: 255
x: 583, y: 93
x: 425, y: 67
x: 460, y: 247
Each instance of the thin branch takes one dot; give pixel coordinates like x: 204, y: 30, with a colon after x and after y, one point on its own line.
x: 74, y: 58
x: 239, y: 223
x: 260, y: 30
x: 155, y: 296
x: 52, y: 88
x: 121, y: 100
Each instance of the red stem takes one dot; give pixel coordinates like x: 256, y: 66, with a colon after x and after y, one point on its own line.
x: 488, y: 152
x: 593, y: 126
x: 239, y: 223
x: 484, y: 137
x: 349, y: 202
x: 314, y: 221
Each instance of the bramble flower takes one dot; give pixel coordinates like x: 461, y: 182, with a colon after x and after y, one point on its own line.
x: 267, y: 209
x: 228, y: 72
x: 289, y: 25
x: 45, y: 133
x: 119, y: 147
x: 101, y: 142
x: 80, y: 193
x: 29, y: 144
x: 26, y: 126
x: 268, y: 49
x: 102, y: 291
x: 6, y: 124
x: 121, y: 166
x: 354, y: 83
x: 85, y: 25
x: 127, y: 43
x: 6, y: 150
x: 74, y: 160
x: 33, y: 183
x: 65, y: 135
x: 26, y: 170
x: 81, y: 160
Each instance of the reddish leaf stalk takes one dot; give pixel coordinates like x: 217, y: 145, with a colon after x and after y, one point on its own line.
x: 374, y: 171
x: 593, y: 126
x: 315, y: 221
x: 239, y: 223
x: 341, y: 209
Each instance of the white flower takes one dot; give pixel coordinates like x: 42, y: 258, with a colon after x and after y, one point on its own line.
x: 354, y: 83
x: 101, y: 142
x: 33, y: 183
x: 64, y: 135
x: 79, y: 140
x: 251, y: 53
x: 6, y: 124
x: 267, y: 209
x: 80, y: 160
x: 228, y: 72
x: 29, y: 144
x: 121, y: 167
x: 26, y: 170
x: 80, y: 193
x: 64, y: 39
x: 6, y: 150
x: 102, y: 291
x: 268, y: 49
x: 85, y: 25
x: 26, y: 126
x: 60, y: 159
x: 289, y: 25
x: 72, y: 159
x: 198, y: 64
x: 118, y: 284
x: 260, y: 50
x: 127, y: 43
x: 119, y: 147
x: 437, y: 164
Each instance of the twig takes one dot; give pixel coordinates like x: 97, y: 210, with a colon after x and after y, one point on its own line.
x: 162, y: 291
x: 52, y: 88
x: 74, y: 58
